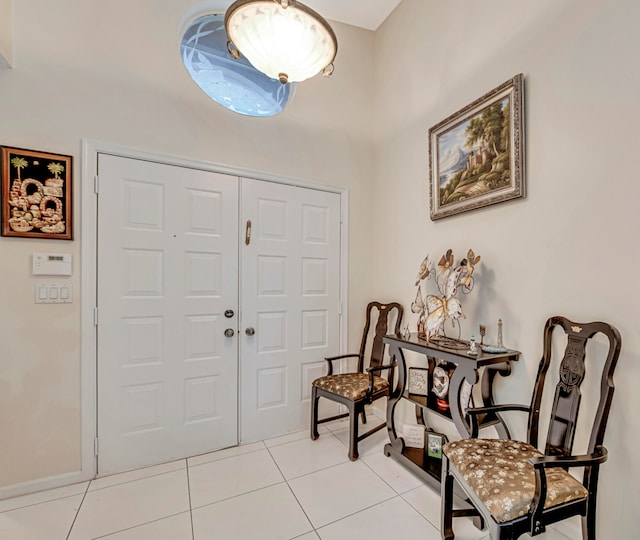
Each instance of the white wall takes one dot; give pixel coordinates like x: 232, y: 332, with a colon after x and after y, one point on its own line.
x: 570, y: 246
x: 111, y: 72
x: 6, y: 33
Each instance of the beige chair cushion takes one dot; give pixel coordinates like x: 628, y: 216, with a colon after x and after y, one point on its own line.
x: 350, y: 385
x: 499, y: 473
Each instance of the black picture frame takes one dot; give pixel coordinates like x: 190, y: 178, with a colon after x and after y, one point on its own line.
x: 36, y: 194
x: 434, y: 443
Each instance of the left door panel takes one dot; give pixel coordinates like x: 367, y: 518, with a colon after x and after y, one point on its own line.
x: 167, y: 292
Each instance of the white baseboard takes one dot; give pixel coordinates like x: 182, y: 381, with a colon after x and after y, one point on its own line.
x: 42, y: 484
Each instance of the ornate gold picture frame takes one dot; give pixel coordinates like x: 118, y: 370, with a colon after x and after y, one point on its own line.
x: 476, y: 155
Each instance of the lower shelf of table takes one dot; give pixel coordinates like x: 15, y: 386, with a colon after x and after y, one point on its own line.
x: 429, y: 470
x: 417, y: 460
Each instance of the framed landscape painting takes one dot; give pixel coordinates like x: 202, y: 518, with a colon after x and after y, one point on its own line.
x: 36, y: 194
x: 476, y: 155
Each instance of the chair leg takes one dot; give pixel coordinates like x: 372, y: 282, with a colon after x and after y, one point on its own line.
x: 314, y: 413
x: 589, y: 523
x: 446, y: 511
x: 589, y: 519
x: 353, y: 433
x: 364, y: 416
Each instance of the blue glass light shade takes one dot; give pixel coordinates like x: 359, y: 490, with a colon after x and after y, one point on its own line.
x: 234, y: 84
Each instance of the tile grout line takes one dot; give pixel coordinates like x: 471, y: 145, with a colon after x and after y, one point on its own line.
x: 188, y: 466
x: 224, y: 458
x: 310, y: 472
x: 239, y: 495
x: 193, y: 532
x: 437, y: 526
x: 367, y: 508
x: 134, y: 479
x: 381, y: 478
x: 146, y: 522
x: 78, y: 511
x: 396, y: 492
x: 137, y: 526
x: 293, y: 494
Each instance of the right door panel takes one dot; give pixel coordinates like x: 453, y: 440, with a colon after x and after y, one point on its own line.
x: 290, y: 301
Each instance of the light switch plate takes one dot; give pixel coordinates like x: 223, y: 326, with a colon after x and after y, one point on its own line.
x: 53, y: 293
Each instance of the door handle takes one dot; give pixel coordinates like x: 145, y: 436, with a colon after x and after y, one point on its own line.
x: 247, y: 233
x: 229, y: 332
x: 250, y: 331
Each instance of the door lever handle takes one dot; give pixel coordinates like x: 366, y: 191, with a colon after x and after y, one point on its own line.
x: 247, y: 234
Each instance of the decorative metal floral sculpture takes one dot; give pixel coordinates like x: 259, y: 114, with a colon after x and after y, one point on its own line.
x: 435, y: 310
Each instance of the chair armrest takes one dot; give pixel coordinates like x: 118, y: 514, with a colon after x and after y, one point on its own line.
x: 546, y: 462
x: 497, y: 408
x: 330, y: 360
x: 381, y: 368
x: 473, y: 413
x: 341, y: 356
x: 371, y: 370
x: 541, y: 463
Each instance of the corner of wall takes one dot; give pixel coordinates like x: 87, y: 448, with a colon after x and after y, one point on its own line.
x: 6, y: 33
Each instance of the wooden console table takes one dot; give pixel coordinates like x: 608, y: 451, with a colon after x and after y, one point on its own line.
x: 467, y: 367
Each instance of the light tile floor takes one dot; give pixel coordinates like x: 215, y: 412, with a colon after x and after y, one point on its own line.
x: 283, y: 488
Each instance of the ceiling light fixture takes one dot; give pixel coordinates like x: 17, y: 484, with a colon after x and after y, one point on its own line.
x: 284, y: 39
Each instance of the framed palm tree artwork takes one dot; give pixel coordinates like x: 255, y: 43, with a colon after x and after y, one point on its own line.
x: 476, y: 155
x: 36, y: 194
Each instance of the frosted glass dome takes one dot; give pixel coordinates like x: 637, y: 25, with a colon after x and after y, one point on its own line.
x: 234, y: 84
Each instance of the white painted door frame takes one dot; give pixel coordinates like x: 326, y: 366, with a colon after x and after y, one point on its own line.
x: 88, y: 266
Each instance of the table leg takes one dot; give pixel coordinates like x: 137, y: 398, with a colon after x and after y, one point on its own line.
x: 486, y: 386
x: 395, y: 354
x: 460, y: 374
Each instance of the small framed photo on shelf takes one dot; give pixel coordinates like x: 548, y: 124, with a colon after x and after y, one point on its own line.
x: 418, y: 383
x: 413, y: 435
x: 435, y: 441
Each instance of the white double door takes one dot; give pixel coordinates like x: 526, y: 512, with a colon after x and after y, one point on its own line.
x: 194, y: 354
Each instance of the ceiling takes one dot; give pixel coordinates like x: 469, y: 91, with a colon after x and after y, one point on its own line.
x: 367, y: 14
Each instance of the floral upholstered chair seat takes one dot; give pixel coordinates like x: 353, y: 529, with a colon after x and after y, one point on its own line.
x: 350, y: 385
x: 498, y: 472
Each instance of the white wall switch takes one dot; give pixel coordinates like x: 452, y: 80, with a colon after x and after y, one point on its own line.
x: 53, y: 293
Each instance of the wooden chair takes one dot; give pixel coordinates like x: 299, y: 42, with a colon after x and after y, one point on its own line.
x: 355, y: 390
x: 512, y: 486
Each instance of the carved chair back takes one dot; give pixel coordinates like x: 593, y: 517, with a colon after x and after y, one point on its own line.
x: 379, y: 318
x: 566, y: 401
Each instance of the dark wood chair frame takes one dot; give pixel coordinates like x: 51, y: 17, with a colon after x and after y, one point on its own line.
x: 357, y: 408
x: 559, y: 443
